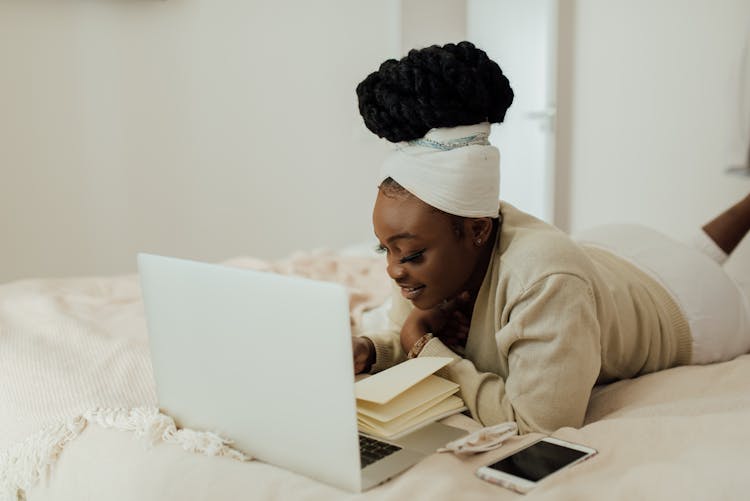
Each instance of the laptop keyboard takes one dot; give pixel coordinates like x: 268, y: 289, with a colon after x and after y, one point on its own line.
x: 371, y: 450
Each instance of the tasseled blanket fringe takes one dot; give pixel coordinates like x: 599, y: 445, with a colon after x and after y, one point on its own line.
x: 25, y: 463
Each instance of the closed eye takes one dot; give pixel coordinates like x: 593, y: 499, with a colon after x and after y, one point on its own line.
x: 412, y: 257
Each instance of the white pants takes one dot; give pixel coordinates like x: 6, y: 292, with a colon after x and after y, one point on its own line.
x: 715, y: 307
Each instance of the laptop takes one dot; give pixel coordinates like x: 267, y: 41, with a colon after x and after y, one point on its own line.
x: 266, y: 361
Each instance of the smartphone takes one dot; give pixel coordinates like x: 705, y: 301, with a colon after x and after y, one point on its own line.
x: 522, y: 470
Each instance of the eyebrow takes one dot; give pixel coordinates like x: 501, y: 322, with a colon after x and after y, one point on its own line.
x: 399, y: 236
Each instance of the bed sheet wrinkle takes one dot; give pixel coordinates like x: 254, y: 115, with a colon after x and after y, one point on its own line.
x: 71, y: 345
x: 363, y: 275
x: 676, y: 434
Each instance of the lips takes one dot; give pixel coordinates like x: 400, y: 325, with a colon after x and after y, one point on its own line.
x: 411, y: 292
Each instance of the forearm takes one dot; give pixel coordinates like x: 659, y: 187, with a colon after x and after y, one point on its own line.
x: 528, y: 396
x: 482, y: 392
x: 388, y: 349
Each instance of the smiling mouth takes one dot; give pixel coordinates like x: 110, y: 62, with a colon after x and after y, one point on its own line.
x: 411, y: 293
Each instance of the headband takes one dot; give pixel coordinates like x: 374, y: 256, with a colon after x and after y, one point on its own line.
x: 453, y: 169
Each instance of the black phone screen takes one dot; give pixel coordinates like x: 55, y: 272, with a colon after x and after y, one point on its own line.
x: 537, y: 461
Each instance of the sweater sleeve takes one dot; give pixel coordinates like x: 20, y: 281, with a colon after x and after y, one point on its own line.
x: 552, y: 340
x: 387, y: 342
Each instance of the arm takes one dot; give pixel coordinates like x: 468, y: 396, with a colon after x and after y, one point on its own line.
x: 553, y: 348
x: 387, y: 342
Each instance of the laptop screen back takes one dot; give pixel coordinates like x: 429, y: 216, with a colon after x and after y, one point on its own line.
x: 259, y: 358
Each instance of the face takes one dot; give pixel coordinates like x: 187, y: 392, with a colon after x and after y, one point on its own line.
x: 428, y: 257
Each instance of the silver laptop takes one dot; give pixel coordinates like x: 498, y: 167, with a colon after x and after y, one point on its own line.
x: 266, y: 360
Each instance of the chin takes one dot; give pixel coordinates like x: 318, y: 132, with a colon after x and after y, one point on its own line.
x: 425, y: 303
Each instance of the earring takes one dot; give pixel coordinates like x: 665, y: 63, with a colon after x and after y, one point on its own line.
x: 479, y: 241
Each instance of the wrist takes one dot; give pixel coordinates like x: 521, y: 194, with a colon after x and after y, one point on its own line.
x: 417, y: 348
x: 411, y: 332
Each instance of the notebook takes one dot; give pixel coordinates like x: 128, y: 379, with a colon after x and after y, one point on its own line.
x: 266, y: 360
x: 405, y: 397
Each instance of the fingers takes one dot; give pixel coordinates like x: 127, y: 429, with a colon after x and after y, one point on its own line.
x: 360, y: 354
x: 456, y: 329
x: 460, y: 300
x: 454, y: 323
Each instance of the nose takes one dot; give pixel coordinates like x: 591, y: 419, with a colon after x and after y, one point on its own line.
x: 395, y: 270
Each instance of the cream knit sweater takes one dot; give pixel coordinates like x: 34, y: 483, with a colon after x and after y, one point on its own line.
x: 551, y: 319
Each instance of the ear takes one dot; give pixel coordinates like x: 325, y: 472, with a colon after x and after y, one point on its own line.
x: 479, y: 229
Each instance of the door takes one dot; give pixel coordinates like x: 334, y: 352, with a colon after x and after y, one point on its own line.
x: 520, y: 35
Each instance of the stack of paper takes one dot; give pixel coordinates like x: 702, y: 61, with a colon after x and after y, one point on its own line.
x: 405, y: 397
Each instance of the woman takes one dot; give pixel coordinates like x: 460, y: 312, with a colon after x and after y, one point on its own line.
x: 532, y: 318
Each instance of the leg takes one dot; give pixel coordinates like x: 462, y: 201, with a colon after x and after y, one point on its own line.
x: 731, y: 226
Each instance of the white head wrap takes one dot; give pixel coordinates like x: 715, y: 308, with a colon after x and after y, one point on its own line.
x: 453, y: 169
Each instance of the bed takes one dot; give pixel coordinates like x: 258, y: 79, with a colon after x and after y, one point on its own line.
x: 79, y: 419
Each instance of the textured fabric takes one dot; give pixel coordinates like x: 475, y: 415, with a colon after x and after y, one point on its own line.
x: 68, y: 346
x: 712, y: 303
x: 551, y: 319
x: 653, y: 434
x: 23, y: 465
x: 649, y: 431
x: 71, y: 345
x: 454, y: 169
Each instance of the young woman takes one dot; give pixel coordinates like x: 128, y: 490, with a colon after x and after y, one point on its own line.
x: 533, y: 318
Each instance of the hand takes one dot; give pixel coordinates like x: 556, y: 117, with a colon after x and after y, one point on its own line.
x: 446, y: 321
x: 364, y: 354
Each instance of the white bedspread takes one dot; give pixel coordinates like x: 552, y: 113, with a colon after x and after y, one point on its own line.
x: 70, y: 346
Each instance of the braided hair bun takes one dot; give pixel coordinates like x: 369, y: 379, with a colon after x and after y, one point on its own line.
x: 448, y: 86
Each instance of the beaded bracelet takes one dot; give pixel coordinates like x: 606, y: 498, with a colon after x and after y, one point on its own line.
x: 419, y: 345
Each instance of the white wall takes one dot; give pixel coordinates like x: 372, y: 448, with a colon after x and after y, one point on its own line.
x: 649, y: 110
x: 215, y: 129
x: 428, y: 22
x: 194, y: 128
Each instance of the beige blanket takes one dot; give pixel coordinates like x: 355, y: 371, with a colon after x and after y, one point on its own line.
x: 70, y: 346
